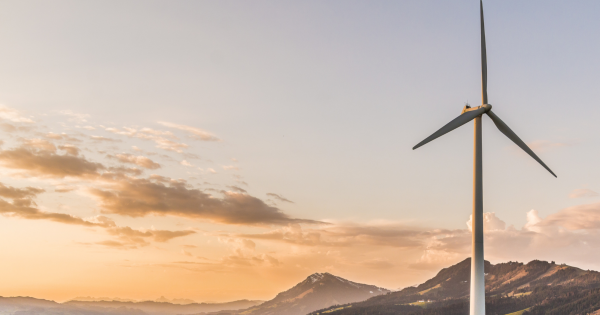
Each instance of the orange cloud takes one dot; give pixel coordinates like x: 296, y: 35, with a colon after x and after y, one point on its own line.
x: 160, y: 138
x: 279, y: 197
x: 131, y: 236
x: 23, y: 206
x: 40, y: 144
x: 103, y: 139
x: 13, y: 115
x: 570, y: 234
x: 582, y: 217
x: 142, y: 197
x: 195, y: 133
x: 19, y: 193
x: 70, y: 149
x: 46, y: 163
x: 62, y: 136
x: 582, y: 193
x: 137, y: 160
x: 10, y: 128
x: 345, y: 235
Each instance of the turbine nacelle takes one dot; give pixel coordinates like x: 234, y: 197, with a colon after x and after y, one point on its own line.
x: 468, y: 108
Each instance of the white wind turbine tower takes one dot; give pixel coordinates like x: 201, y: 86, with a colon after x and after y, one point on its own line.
x: 477, y: 263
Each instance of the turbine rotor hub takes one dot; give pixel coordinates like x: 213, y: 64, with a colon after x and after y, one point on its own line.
x: 468, y: 108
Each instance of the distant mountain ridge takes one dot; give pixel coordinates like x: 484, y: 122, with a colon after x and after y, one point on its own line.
x: 33, y: 306
x: 160, y: 299
x: 96, y: 299
x: 317, y: 291
x: 539, y: 286
x: 165, y: 308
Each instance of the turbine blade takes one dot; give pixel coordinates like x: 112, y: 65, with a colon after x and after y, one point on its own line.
x: 484, y: 96
x: 457, y: 122
x: 513, y: 136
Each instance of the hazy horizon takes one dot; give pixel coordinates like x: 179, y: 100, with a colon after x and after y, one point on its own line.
x: 225, y: 150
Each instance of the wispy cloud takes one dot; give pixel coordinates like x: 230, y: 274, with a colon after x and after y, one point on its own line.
x: 545, y: 145
x: 137, y: 160
x: 582, y: 193
x: 103, y: 139
x: 186, y: 163
x: 12, y: 128
x: 193, y: 132
x: 244, y: 254
x: 143, y: 197
x: 69, y: 149
x: 48, y: 163
x: 164, y: 140
x: 237, y: 189
x: 121, y: 194
x: 76, y: 117
x: 279, y: 197
x: 13, y: 115
x: 568, y: 234
x: 62, y: 137
x: 22, y: 205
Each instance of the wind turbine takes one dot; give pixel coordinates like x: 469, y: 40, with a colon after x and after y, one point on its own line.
x: 477, y: 263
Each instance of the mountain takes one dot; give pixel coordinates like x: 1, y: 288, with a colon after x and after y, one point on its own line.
x: 164, y: 308
x: 539, y: 287
x: 96, y: 299
x: 160, y: 299
x: 32, y: 306
x: 174, y: 301
x: 319, y: 290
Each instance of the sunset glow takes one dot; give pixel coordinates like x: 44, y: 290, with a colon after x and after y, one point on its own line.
x: 226, y: 150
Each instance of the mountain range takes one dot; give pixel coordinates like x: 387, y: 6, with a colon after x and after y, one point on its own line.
x: 32, y: 306
x: 319, y: 290
x: 160, y: 299
x: 535, y: 288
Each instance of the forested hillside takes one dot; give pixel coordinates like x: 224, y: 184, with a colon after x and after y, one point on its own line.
x: 538, y: 287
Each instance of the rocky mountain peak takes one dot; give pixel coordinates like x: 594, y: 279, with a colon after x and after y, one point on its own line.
x: 317, y: 291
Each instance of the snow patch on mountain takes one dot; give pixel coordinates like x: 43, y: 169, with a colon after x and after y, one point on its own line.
x: 315, y: 277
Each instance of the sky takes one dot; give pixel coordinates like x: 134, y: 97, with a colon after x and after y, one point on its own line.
x: 223, y: 150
